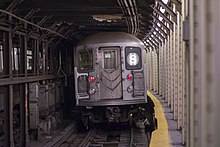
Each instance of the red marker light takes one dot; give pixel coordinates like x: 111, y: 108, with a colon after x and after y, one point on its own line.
x: 91, y: 79
x: 129, y: 77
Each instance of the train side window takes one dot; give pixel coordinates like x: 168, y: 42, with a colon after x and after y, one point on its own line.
x: 85, y: 60
x: 133, y: 58
x: 110, y: 59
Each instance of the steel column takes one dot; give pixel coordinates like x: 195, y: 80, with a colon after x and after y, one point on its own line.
x: 170, y: 70
x: 160, y: 69
x: 163, y: 72
x: 7, y: 116
x: 215, y: 72
x: 167, y: 70
x: 180, y: 74
x: 191, y: 102
x: 184, y: 77
x: 11, y: 124
x: 152, y: 69
x: 25, y: 54
x: 149, y: 69
x: 175, y: 69
x: 23, y: 123
x: 206, y: 29
x: 46, y: 48
x: 9, y: 100
x: 172, y: 61
x: 37, y: 57
x: 155, y: 70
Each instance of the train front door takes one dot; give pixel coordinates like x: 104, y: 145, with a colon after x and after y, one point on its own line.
x: 110, y: 73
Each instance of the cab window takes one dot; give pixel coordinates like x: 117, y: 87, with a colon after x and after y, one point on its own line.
x: 85, y: 60
x: 110, y: 59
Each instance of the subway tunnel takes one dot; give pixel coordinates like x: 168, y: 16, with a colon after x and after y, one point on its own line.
x: 46, y: 48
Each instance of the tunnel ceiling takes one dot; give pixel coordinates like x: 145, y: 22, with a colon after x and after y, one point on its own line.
x: 75, y: 19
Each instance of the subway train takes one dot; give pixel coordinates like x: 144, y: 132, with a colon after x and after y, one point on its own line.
x: 110, y: 80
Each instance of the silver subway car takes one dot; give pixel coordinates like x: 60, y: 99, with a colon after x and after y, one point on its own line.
x: 110, y: 79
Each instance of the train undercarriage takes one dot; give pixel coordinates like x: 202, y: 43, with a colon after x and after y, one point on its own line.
x: 140, y: 115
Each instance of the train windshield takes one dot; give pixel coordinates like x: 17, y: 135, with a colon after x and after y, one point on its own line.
x: 85, y: 60
x: 110, y: 59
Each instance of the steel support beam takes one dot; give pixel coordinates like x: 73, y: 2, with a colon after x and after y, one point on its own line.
x: 28, y: 16
x: 151, y: 42
x: 178, y: 4
x: 59, y: 31
x: 35, y: 36
x: 159, y: 34
x: 168, y: 9
x: 65, y: 34
x: 154, y: 41
x: 157, y: 38
x: 147, y: 44
x: 167, y: 20
x: 40, y: 23
x: 156, y: 19
x: 160, y: 30
x: 51, y: 28
x: 12, y: 6
x: 29, y: 79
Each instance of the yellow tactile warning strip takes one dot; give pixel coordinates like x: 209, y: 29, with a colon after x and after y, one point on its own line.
x: 160, y: 137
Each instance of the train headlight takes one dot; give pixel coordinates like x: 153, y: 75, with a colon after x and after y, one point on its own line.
x: 92, y: 91
x: 130, y: 89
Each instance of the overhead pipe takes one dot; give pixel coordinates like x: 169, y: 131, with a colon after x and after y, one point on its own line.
x: 130, y: 8
x: 125, y: 13
x: 135, y: 16
x: 130, y: 16
x: 124, y: 2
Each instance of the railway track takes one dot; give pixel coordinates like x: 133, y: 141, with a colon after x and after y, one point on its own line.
x: 102, y: 136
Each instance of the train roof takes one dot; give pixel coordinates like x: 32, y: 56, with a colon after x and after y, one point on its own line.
x: 110, y: 37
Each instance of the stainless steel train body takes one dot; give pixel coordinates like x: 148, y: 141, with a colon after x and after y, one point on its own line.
x: 110, y: 78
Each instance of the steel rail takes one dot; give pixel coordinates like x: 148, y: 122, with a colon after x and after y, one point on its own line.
x: 131, y: 137
x: 64, y: 135
x: 85, y: 142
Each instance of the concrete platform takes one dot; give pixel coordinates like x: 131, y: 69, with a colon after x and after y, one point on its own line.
x: 167, y: 134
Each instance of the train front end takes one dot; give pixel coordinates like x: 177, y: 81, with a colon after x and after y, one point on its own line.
x: 110, y: 79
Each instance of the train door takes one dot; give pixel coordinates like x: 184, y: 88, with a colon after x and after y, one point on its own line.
x: 110, y: 73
